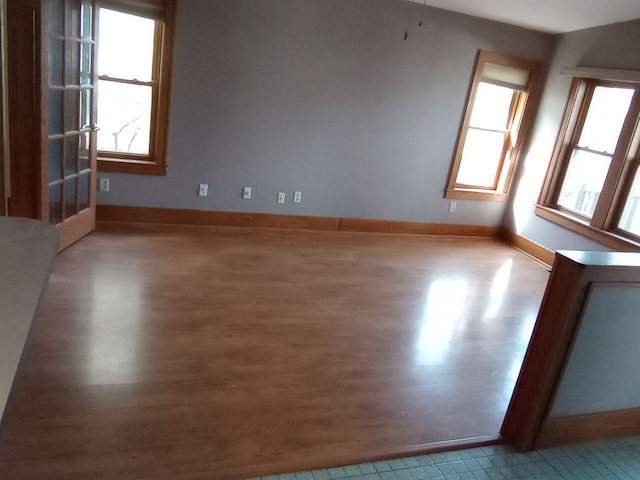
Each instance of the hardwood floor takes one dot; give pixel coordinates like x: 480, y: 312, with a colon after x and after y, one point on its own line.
x: 166, y: 352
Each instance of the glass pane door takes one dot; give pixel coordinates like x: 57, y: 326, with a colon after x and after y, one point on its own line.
x: 70, y: 117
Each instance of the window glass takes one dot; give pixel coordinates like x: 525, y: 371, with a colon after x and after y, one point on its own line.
x: 583, y: 182
x: 607, y: 112
x: 491, y: 107
x: 630, y: 219
x: 126, y: 46
x: 481, y: 158
x: 124, y: 116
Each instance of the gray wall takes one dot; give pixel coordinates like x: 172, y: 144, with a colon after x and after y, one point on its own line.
x: 602, y: 372
x: 322, y: 96
x: 612, y: 46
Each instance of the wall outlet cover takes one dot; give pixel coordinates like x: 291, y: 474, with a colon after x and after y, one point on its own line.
x: 297, y: 197
x: 246, y: 193
x: 103, y: 185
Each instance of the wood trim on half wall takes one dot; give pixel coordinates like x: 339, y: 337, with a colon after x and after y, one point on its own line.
x: 117, y: 213
x: 587, y: 428
x: 554, y: 335
x: 547, y: 353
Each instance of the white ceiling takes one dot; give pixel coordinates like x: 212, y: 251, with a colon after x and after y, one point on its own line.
x: 552, y: 16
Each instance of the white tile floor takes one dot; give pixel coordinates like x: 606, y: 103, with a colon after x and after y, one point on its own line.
x: 613, y: 459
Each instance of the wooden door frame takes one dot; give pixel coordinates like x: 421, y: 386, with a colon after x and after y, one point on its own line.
x: 28, y: 134
x: 42, y: 100
x: 4, y: 114
x: 24, y: 109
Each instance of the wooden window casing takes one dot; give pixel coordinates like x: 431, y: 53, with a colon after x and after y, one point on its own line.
x: 155, y: 162
x: 602, y: 226
x: 518, y: 123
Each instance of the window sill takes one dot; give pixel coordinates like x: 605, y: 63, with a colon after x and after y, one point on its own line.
x: 130, y: 166
x: 608, y: 239
x: 471, y: 194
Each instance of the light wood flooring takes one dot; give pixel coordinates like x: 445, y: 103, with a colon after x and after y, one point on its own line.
x: 172, y: 352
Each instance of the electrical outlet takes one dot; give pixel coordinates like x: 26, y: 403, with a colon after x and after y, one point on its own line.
x: 452, y: 207
x: 281, y: 197
x: 246, y: 193
x: 103, y: 185
x: 297, y: 197
x: 203, y: 190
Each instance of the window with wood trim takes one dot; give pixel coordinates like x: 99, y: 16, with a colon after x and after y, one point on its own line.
x: 134, y: 63
x: 593, y: 183
x: 495, y: 119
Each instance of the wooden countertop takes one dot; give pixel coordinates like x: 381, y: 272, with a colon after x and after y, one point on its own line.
x: 27, y: 248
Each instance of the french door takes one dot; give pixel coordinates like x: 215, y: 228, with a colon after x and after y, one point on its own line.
x: 68, y: 136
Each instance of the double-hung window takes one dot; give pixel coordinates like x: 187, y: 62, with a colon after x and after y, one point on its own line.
x: 492, y: 128
x: 134, y: 73
x: 593, y: 183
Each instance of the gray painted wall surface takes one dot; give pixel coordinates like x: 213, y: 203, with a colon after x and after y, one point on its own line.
x: 602, y: 372
x: 612, y: 46
x: 322, y: 96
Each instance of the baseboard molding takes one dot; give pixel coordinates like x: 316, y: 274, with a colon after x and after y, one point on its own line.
x: 587, y: 428
x: 116, y: 213
x: 417, y: 228
x: 527, y: 246
x: 180, y: 216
